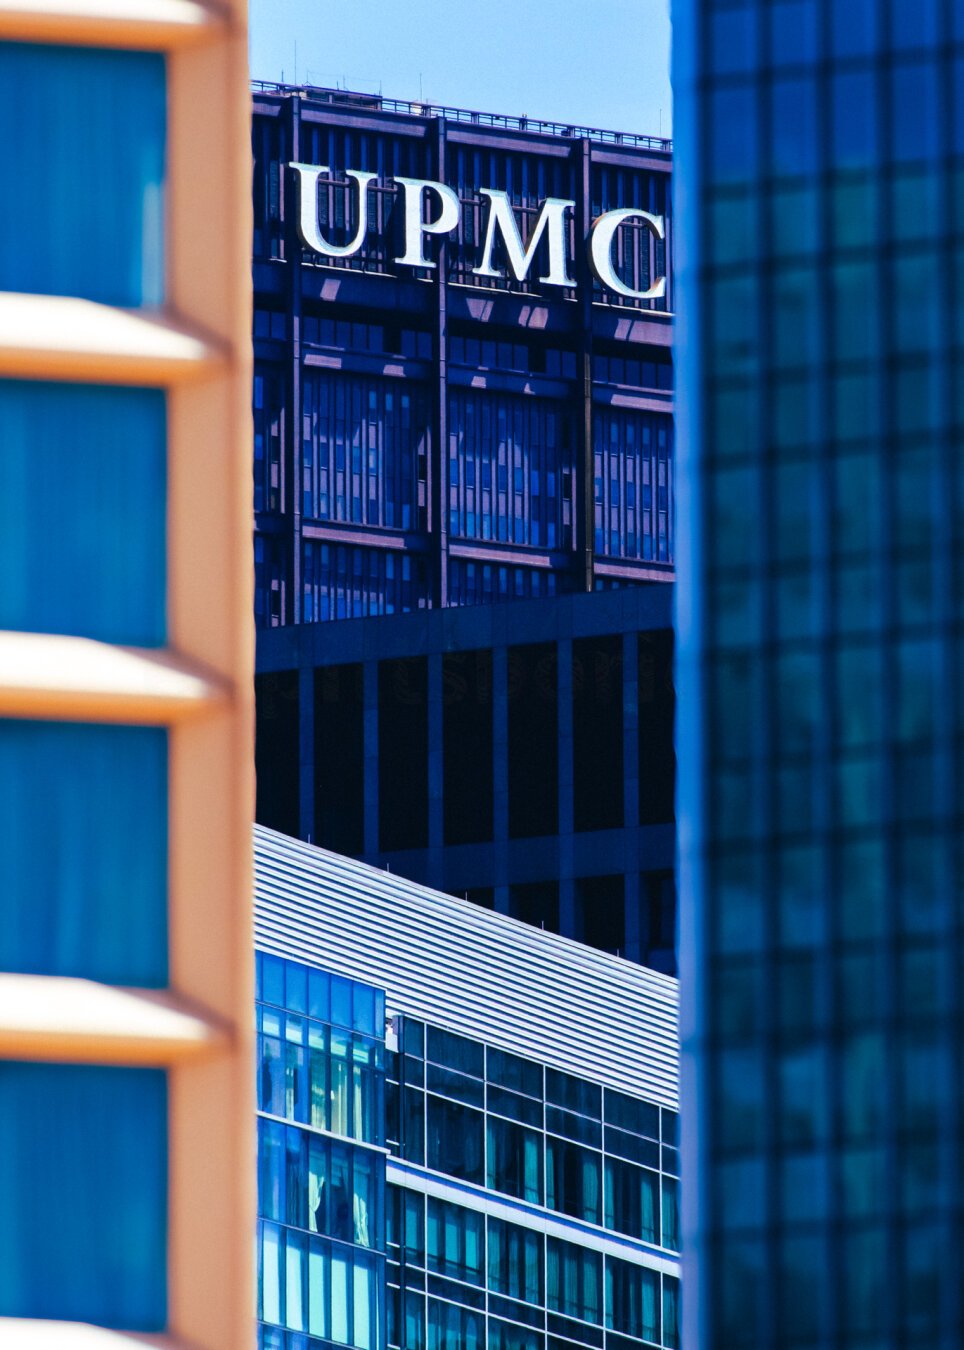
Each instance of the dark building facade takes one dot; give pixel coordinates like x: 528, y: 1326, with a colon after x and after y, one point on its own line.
x: 433, y: 439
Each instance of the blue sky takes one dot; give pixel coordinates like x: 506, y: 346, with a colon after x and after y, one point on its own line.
x: 600, y: 63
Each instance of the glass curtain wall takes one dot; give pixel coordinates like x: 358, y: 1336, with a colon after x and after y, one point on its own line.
x: 536, y: 1134
x: 820, y: 167
x: 524, y: 1207
x: 321, y: 1175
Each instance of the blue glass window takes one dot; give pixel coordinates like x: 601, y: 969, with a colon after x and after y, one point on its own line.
x: 89, y: 558
x: 915, y: 124
x: 854, y: 140
x: 632, y: 1300
x: 733, y: 123
x: 573, y: 1280
x: 83, y: 851
x: 573, y: 1180
x: 319, y: 1075
x: 853, y: 27
x: 84, y: 161
x: 734, y: 40
x: 455, y: 1241
x: 671, y: 1312
x: 83, y: 1194
x: 450, y: 1326
x: 456, y: 1140
x: 793, y: 127
x: 632, y: 1200
x: 308, y: 1284
x: 516, y: 1261
x: 514, y: 1160
x: 793, y: 36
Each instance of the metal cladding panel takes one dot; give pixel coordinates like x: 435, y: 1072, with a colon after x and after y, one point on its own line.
x: 480, y: 973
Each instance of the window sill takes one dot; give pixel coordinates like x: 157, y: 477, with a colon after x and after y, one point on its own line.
x: 44, y: 675
x: 143, y: 24
x: 46, y: 1017
x: 61, y: 337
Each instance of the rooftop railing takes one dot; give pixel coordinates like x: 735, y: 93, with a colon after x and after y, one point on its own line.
x: 376, y: 102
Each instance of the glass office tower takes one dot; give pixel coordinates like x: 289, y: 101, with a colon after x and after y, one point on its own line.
x: 467, y: 1130
x: 820, y: 204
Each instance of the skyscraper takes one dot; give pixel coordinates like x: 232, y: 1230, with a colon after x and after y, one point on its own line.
x: 448, y: 418
x: 126, y: 1194
x: 820, y: 215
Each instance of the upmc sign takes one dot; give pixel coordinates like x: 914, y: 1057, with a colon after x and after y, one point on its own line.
x: 420, y: 196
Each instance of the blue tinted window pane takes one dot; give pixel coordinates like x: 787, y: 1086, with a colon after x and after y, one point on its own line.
x: 83, y: 1194
x: 319, y: 999
x: 296, y: 986
x: 855, y: 107
x: 273, y: 980
x: 340, y: 1001
x: 363, y: 1009
x: 84, y: 161
x: 83, y: 851
x: 793, y: 32
x: 853, y: 27
x: 914, y: 25
x: 733, y: 126
x: 793, y: 127
x: 915, y: 123
x: 733, y: 40
x: 89, y: 557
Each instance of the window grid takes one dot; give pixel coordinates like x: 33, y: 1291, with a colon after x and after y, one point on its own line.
x: 510, y: 470
x: 633, y: 475
x: 467, y: 1123
x: 344, y: 581
x: 365, y: 449
x: 321, y: 1172
x: 446, y: 1261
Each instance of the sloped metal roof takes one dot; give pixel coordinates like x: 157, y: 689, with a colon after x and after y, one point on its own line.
x: 484, y: 974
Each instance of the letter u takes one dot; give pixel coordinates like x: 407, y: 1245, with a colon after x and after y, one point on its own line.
x: 308, y: 175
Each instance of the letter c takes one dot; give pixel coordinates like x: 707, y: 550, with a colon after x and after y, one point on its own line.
x: 601, y: 238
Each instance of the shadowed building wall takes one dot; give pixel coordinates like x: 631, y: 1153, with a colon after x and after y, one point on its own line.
x: 821, y: 788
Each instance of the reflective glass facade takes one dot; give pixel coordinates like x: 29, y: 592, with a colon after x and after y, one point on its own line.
x: 819, y: 174
x: 434, y: 1191
x: 321, y: 1160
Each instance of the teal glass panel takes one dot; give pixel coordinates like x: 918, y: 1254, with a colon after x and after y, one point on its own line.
x: 83, y: 851
x: 82, y: 172
x: 83, y: 1194
x: 89, y: 557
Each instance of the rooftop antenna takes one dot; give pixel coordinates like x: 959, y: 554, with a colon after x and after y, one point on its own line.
x: 296, y: 60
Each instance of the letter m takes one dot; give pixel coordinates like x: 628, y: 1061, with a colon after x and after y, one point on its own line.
x: 551, y: 220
